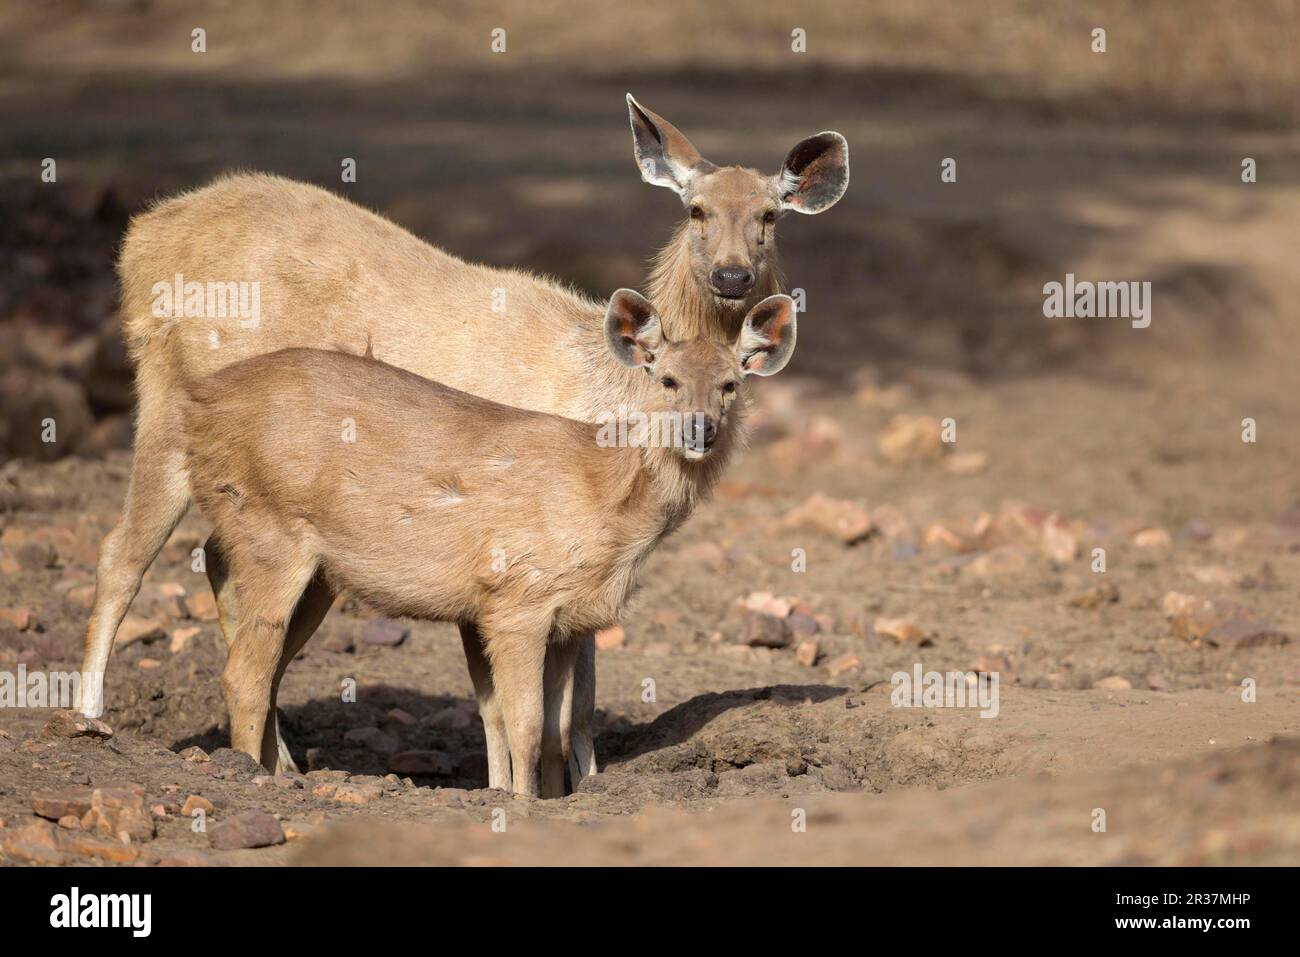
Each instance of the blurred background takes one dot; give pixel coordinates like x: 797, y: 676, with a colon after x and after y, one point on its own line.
x: 1122, y: 165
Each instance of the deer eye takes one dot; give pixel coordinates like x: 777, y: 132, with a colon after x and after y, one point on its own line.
x: 669, y: 382
x: 729, y: 387
x: 696, y: 211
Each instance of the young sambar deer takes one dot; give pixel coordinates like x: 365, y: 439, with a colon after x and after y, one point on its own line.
x: 428, y: 502
x: 332, y: 273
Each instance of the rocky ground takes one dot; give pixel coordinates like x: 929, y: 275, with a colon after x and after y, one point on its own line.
x: 740, y: 688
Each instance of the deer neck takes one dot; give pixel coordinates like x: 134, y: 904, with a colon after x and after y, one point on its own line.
x: 686, y: 308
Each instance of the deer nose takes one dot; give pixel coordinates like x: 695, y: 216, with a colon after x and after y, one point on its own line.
x: 732, y: 282
x: 699, y: 431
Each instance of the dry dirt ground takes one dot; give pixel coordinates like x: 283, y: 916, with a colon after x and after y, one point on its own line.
x: 1162, y: 691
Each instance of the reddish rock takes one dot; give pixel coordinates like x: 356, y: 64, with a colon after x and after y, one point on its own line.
x: 611, y: 637
x: 201, y: 606
x: 181, y: 637
x: 33, y: 843
x: 246, y: 829
x: 911, y: 438
x: 902, y: 630
x: 765, y: 603
x: 70, y: 724
x: 54, y: 805
x: 358, y: 792
x: 135, y: 629
x: 847, y: 521
x: 197, y: 802
x: 843, y: 664
x: 115, y: 812
x: 667, y: 617
x: 806, y: 653
x: 20, y: 618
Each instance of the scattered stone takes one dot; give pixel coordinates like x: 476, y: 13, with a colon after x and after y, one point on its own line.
x: 448, y: 719
x: 449, y: 797
x: 1152, y: 538
x: 765, y: 603
x: 34, y: 843
x: 385, y: 632
x: 421, y: 763
x: 115, y: 812
x: 759, y: 630
x: 254, y: 828
x: 611, y: 637
x: 55, y: 805
x: 842, y: 664
x: 135, y: 629
x: 357, y: 791
x: 1095, y: 597
x: 938, y: 534
x: 847, y: 521
x: 148, y: 664
x: 201, y: 606
x: 181, y: 637
x: 197, y: 802
x: 1112, y: 683
x: 667, y: 617
x: 194, y: 754
x: 1058, y: 542
x: 806, y: 652
x: 902, y: 630
x: 20, y: 618
x: 1220, y: 623
x: 400, y: 718
x: 911, y: 438
x: 70, y: 724
x: 70, y: 822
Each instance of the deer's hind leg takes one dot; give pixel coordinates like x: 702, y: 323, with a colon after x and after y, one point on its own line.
x: 310, y: 612
x: 267, y: 595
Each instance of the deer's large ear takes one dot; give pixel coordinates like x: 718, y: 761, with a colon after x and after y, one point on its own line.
x: 767, y: 336
x: 815, y: 174
x: 632, y: 329
x: 664, y: 156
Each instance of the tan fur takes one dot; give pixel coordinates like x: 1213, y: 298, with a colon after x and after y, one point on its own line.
x: 445, y: 506
x: 334, y: 275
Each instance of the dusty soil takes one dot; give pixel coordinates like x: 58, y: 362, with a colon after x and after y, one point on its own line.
x: 924, y: 300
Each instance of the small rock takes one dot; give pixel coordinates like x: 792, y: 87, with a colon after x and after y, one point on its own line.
x: 34, y: 843
x: 842, y: 664
x: 611, y: 637
x: 417, y: 763
x: 194, y: 754
x: 254, y: 828
x: 201, y: 606
x: 70, y: 724
x: 54, y: 805
x: 1112, y: 683
x: 197, y: 802
x: 384, y: 632
x: 1096, y: 597
x: 1004, y: 560
x: 847, y: 521
x: 181, y: 637
x: 806, y: 652
x: 358, y: 792
x: 900, y: 629
x: 70, y: 822
x: 20, y: 618
x: 188, y: 858
x: 117, y: 811
x: 1058, y: 542
x: 764, y: 631
x: 135, y: 629
x: 449, y: 797
x: 766, y: 603
x: 1152, y: 538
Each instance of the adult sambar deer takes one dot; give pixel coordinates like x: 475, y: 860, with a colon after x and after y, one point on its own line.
x: 327, y: 272
x: 324, y: 467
